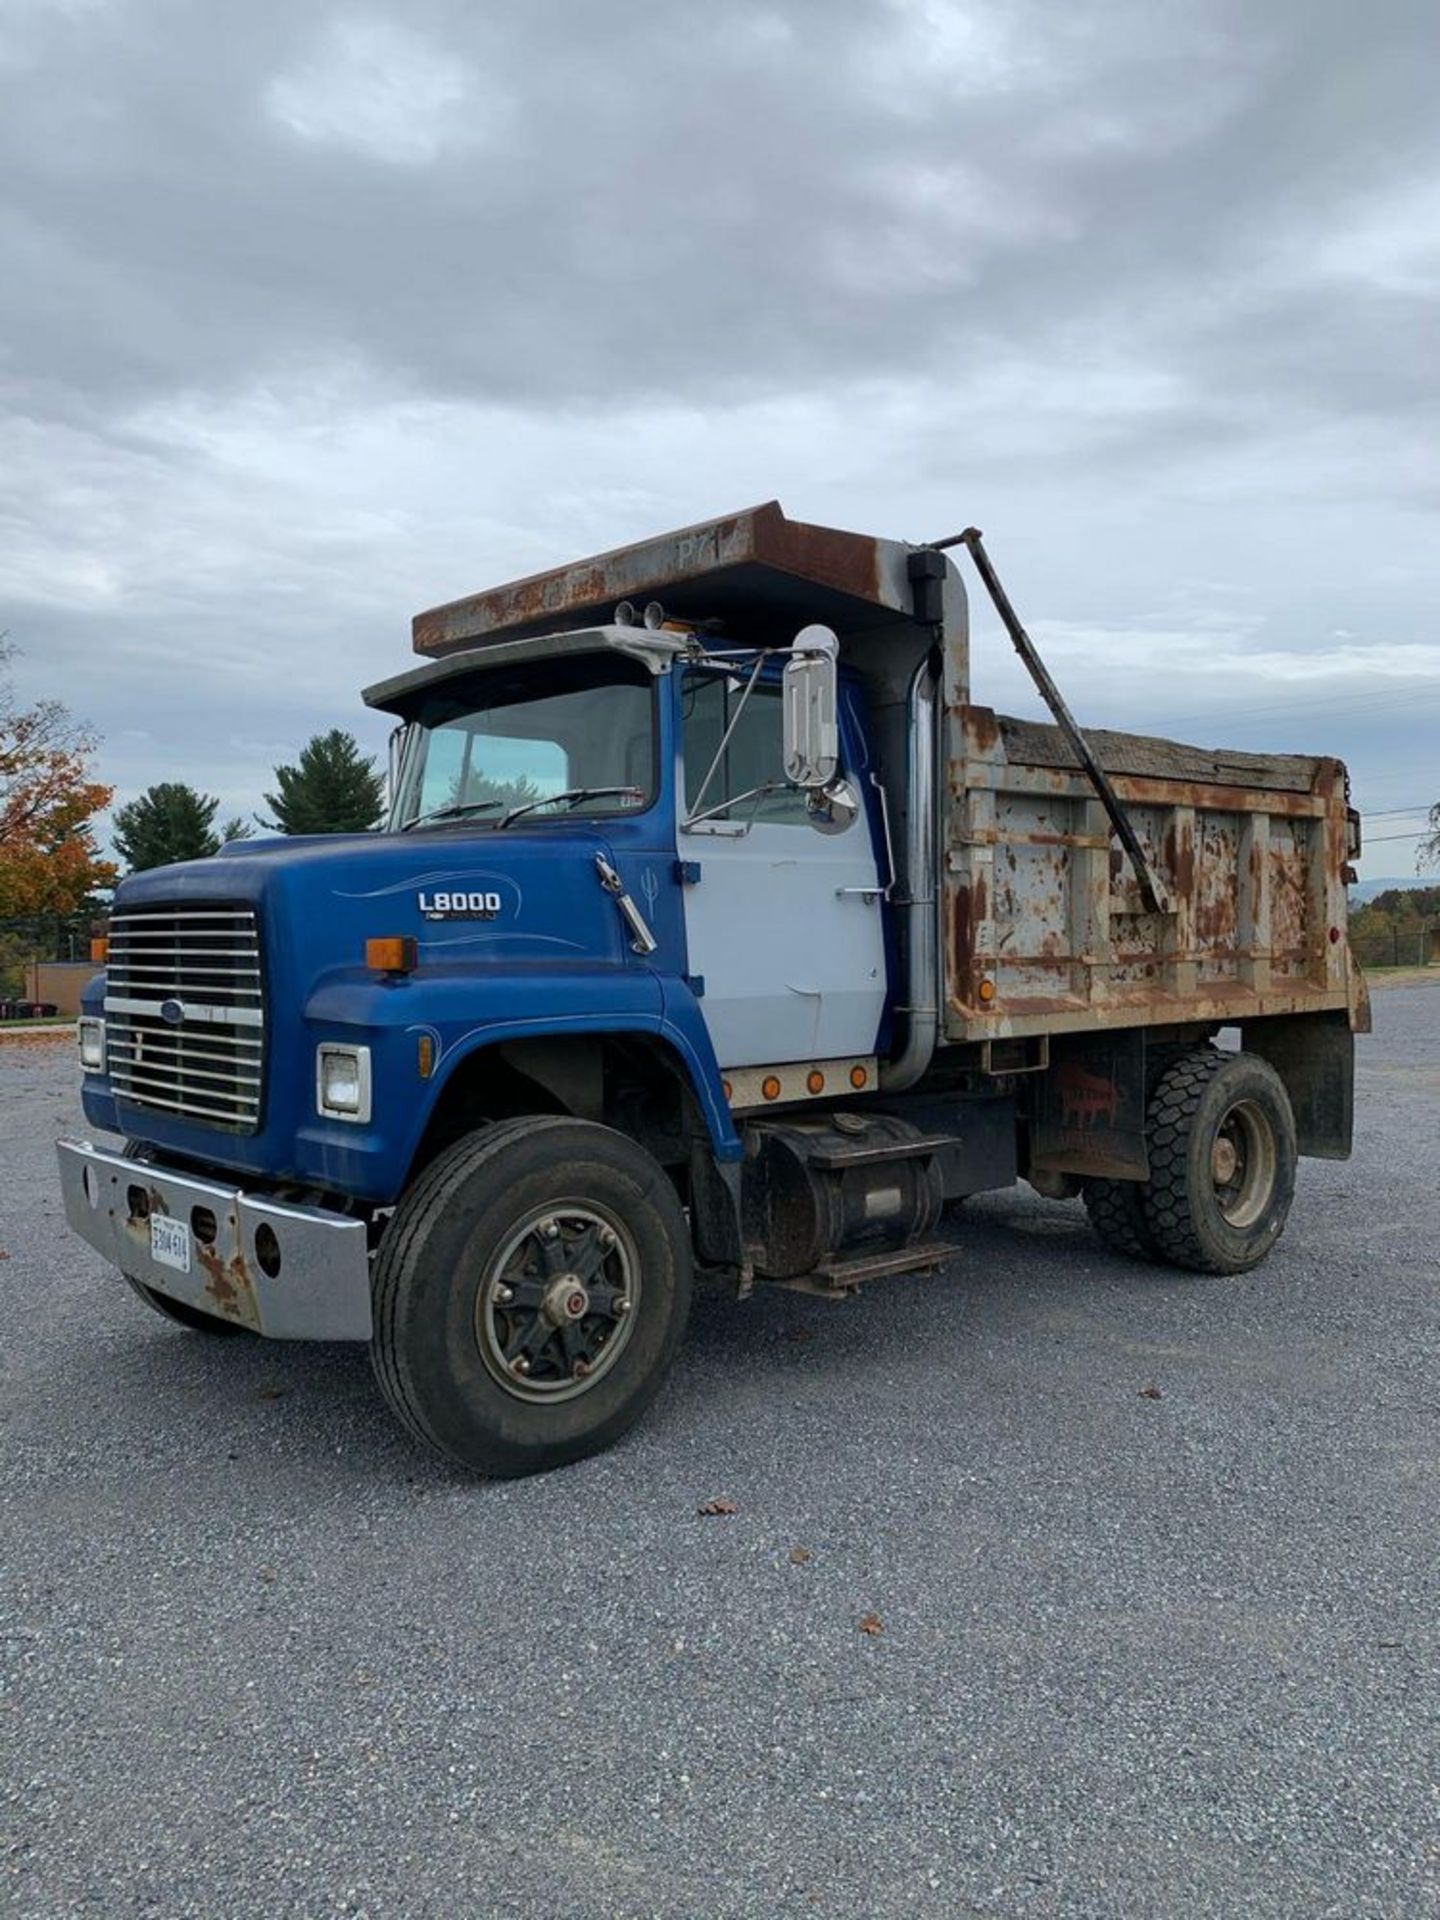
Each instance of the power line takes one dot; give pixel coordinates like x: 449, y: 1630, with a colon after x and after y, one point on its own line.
x: 1407, y: 690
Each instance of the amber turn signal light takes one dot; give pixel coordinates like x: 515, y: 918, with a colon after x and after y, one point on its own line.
x: 395, y: 953
x: 770, y: 1087
x: 858, y: 1077
x: 815, y: 1080
x: 99, y: 951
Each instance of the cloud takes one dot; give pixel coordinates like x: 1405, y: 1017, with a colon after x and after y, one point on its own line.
x: 377, y: 89
x: 317, y: 316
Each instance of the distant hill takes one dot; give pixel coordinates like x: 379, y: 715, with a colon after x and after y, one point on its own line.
x: 1364, y: 890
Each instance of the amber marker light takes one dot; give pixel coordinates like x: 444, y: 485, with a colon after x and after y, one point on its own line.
x: 987, y: 990
x: 815, y: 1080
x: 395, y: 953
x: 426, y: 1055
x: 99, y: 951
x: 858, y: 1076
x: 770, y: 1087
x: 728, y: 1089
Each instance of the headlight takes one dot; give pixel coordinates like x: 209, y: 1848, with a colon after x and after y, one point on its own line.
x: 342, y: 1082
x: 90, y: 1035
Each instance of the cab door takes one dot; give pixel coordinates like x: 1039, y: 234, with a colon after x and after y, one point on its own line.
x: 784, y: 923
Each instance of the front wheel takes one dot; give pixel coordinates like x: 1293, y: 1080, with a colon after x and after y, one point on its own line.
x: 1222, y: 1162
x: 530, y: 1294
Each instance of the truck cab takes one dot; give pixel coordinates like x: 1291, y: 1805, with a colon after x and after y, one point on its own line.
x: 712, y: 932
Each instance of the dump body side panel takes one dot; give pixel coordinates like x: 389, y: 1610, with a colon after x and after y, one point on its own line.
x: 1045, y: 930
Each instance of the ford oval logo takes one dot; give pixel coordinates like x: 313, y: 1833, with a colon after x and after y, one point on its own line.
x: 172, y: 1012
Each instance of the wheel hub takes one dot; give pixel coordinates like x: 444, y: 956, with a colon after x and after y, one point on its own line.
x: 566, y: 1300
x: 1224, y: 1160
x: 554, y: 1307
x: 1243, y: 1163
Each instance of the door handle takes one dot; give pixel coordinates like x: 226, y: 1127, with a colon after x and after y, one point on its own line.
x: 642, y: 940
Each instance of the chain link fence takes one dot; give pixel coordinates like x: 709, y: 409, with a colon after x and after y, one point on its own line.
x: 1395, y: 943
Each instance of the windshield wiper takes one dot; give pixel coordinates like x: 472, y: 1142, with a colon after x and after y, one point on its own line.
x: 455, y: 811
x: 573, y: 795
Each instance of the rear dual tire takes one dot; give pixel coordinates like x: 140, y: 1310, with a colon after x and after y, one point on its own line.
x: 1222, y: 1148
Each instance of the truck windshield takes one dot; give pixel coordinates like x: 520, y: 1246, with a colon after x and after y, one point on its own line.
x: 555, y: 740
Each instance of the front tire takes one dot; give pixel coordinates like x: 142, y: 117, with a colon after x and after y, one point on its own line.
x: 530, y: 1295
x: 1222, y: 1146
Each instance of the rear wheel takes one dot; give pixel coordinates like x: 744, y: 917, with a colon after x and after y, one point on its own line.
x: 530, y: 1294
x: 1117, y: 1213
x: 1222, y: 1149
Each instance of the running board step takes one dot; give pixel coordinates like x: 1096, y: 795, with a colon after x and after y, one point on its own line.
x: 839, y: 1277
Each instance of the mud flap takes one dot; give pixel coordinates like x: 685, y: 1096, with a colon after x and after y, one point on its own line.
x: 1088, y: 1113
x: 1314, y: 1054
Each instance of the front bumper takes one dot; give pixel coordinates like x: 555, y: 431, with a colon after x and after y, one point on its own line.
x: 315, y: 1280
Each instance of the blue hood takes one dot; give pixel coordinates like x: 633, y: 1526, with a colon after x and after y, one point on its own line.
x: 514, y: 932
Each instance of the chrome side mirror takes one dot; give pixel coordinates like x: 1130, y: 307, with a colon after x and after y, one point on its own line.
x: 811, y: 703
x: 832, y: 809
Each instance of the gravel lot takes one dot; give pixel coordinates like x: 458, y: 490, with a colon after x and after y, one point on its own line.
x: 1141, y: 1657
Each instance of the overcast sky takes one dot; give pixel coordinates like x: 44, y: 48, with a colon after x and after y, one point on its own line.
x: 313, y: 315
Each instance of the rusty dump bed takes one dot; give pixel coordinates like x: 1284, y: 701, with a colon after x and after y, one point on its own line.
x: 1045, y: 930
x: 755, y: 572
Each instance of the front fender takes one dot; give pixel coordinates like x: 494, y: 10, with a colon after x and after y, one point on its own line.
x: 462, y: 1017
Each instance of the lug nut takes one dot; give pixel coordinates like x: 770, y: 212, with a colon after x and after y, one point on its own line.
x: 622, y: 1305
x: 504, y: 1295
x: 550, y: 1230
x: 581, y: 1370
x: 520, y: 1364
x: 608, y: 1236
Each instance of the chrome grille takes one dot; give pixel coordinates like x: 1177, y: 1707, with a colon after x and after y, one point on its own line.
x: 185, y: 1011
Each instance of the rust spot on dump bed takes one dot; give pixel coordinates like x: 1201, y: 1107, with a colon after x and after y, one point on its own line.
x: 982, y: 731
x: 1180, y: 859
x: 1330, y: 778
x: 967, y: 917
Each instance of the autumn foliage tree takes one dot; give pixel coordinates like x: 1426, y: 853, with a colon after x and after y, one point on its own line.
x: 49, y: 859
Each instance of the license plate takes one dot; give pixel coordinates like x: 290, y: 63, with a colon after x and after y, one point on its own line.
x: 170, y: 1242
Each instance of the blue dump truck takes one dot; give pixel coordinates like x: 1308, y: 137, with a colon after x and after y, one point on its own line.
x: 715, y: 934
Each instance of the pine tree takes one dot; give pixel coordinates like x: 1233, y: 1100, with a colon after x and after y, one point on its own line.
x: 168, y: 822
x: 332, y: 790
x: 237, y: 829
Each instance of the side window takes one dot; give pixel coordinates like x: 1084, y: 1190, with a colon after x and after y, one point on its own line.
x: 753, y: 756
